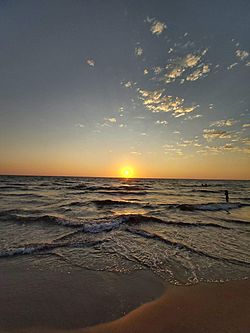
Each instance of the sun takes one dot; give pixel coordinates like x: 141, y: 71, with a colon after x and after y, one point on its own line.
x: 127, y: 172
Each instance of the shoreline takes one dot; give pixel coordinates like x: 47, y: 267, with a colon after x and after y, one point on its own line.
x: 35, y: 299
x: 203, y: 308
x: 54, y: 299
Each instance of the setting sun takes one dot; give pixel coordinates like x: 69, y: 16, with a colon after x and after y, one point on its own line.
x: 127, y: 172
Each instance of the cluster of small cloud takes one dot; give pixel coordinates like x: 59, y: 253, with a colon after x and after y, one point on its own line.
x: 157, y: 27
x: 156, y: 101
x: 198, y: 73
x: 211, y: 134
x: 191, y: 117
x: 135, y: 152
x: 232, y: 65
x: 161, y: 122
x: 79, y: 125
x: 187, y: 143
x: 172, y: 150
x: 228, y: 147
x: 180, y: 65
x: 111, y: 120
x: 138, y: 51
x: 90, y: 62
x: 241, y: 54
x: 223, y: 123
x: 127, y: 84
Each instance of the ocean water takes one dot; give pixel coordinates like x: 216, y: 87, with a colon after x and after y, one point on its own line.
x: 179, y: 229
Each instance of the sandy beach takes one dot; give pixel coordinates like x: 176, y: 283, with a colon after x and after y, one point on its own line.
x: 47, y: 299
x: 205, y: 308
x: 58, y: 301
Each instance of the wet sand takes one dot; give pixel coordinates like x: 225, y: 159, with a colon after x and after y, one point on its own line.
x: 205, y: 308
x: 48, y: 299
x: 43, y: 300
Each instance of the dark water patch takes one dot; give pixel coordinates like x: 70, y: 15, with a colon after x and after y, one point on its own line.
x: 207, y: 206
x: 205, y: 191
x: 28, y: 195
x: 110, y: 188
x: 123, y: 192
x: 109, y: 202
x: 14, y: 188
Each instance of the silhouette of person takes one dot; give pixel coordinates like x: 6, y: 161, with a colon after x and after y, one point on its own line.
x: 226, y: 194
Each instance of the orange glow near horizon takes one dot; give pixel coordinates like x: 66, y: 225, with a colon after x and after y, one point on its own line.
x: 127, y: 172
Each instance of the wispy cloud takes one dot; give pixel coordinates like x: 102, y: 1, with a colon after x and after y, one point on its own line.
x: 127, y: 84
x: 211, y: 134
x: 138, y: 51
x: 198, y: 73
x: 241, y: 54
x: 161, y: 122
x: 157, y: 101
x: 223, y: 123
x: 90, y: 62
x: 157, y: 27
x: 232, y: 65
x: 79, y: 125
x: 180, y: 65
x: 111, y: 120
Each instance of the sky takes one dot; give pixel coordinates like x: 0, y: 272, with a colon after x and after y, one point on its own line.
x: 90, y: 87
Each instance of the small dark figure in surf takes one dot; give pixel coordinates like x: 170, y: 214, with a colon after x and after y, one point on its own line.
x: 227, y: 197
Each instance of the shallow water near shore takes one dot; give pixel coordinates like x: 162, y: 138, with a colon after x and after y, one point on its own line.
x: 181, y: 230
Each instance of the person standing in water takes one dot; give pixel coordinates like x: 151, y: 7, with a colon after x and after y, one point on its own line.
x: 226, y: 194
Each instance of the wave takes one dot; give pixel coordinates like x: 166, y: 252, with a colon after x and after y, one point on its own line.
x: 102, y: 224
x: 182, y: 246
x: 208, y: 206
x: 204, y: 191
x: 123, y: 192
x: 110, y: 188
x: 42, y: 247
x: 15, y: 216
x: 109, y: 202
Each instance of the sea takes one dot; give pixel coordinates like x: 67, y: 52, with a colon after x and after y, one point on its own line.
x: 182, y: 230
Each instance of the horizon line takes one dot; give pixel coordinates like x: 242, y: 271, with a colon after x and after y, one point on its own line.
x: 117, y: 177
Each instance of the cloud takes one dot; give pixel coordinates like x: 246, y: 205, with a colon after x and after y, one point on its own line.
x: 90, y: 62
x: 135, y: 153
x: 171, y: 150
x: 211, y: 134
x: 194, y: 117
x: 228, y: 147
x: 223, y: 123
x: 79, y: 125
x: 191, y: 60
x: 161, y: 122
x: 111, y: 120
x: 156, y: 101
x: 198, y: 73
x: 241, y: 54
x: 232, y: 65
x: 138, y: 51
x: 157, y: 27
x: 128, y: 84
x: 179, y: 66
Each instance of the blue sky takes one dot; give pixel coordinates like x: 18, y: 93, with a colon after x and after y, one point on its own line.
x: 88, y: 86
